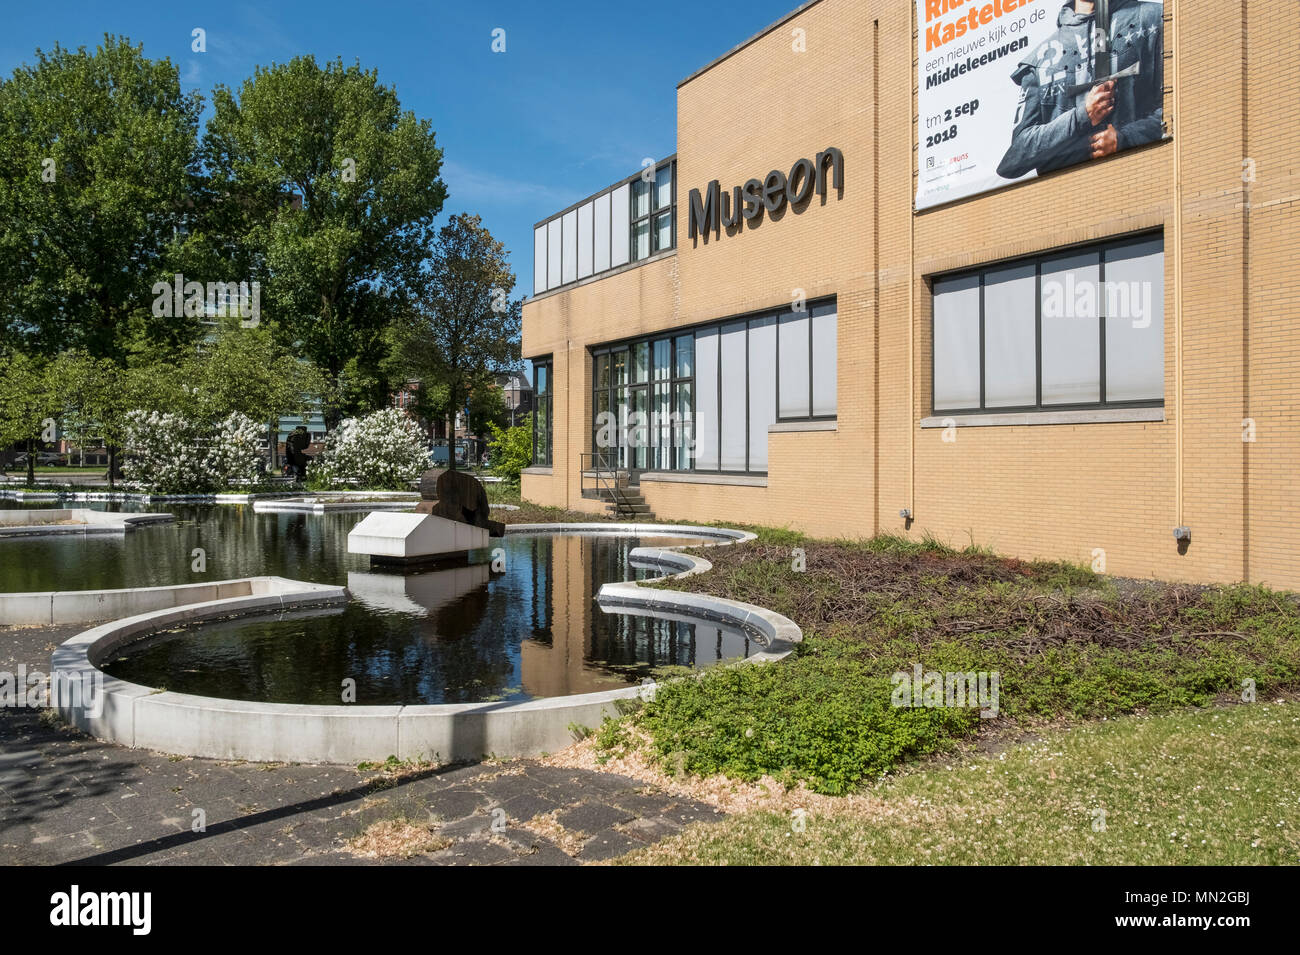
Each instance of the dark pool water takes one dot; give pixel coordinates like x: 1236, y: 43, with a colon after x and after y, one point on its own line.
x: 458, y: 633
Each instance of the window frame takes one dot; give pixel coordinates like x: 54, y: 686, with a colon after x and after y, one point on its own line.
x: 1039, y: 260
x: 654, y: 211
x: 748, y: 319
x: 554, y: 251
x: 547, y: 362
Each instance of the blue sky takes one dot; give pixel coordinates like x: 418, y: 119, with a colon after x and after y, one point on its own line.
x: 583, y: 92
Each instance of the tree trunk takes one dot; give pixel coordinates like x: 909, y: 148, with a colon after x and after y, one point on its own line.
x: 31, y: 461
x: 112, y: 464
x: 451, y: 432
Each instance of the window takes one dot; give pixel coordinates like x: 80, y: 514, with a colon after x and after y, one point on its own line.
x: 652, y: 213
x: 626, y: 223
x: 542, y: 423
x: 806, y: 345
x: 1082, y: 328
x: 704, y: 400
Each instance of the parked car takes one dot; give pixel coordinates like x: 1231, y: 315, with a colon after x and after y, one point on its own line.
x: 44, y: 459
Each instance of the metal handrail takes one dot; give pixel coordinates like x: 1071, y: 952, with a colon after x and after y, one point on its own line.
x: 600, y: 466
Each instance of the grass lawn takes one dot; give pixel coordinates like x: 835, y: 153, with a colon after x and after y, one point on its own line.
x: 1218, y: 786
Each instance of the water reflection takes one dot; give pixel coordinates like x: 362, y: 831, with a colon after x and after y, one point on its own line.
x: 459, y: 632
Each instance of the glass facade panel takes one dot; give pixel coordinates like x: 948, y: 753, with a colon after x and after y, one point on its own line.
x: 957, y: 343
x: 620, y: 210
x: 735, y: 395
x: 542, y: 423
x: 1077, y: 329
x: 600, y: 260
x: 685, y: 356
x: 1071, y: 337
x: 1010, y: 359
x: 1135, y: 322
x: 663, y: 231
x: 641, y: 239
x: 641, y: 361
x: 794, y: 399
x: 762, y: 391
x: 684, y: 426
x: 824, y: 360
x: 706, y: 400
x: 585, y: 250
x: 640, y: 198
x: 663, y: 355
x: 664, y: 187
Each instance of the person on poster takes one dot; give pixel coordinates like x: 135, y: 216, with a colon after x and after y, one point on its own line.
x: 1065, y: 116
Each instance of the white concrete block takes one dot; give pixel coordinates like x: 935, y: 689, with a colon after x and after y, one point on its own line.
x: 412, y: 536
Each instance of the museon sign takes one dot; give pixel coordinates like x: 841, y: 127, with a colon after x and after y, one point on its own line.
x: 716, y: 209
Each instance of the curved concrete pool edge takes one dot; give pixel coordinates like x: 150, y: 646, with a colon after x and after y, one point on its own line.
x: 157, y: 719
x: 83, y: 521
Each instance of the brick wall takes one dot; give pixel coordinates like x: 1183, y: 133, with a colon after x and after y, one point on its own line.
x: 1065, y: 491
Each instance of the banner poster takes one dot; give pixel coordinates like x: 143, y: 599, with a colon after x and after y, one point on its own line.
x: 1011, y: 89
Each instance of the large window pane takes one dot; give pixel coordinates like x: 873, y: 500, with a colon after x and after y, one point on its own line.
x: 600, y: 372
x: 618, y: 366
x: 641, y: 361
x: 539, y: 259
x: 1135, y: 322
x: 685, y: 356
x: 663, y: 231
x: 735, y: 394
x: 639, y: 435
x: 825, y: 354
x: 684, y: 425
x: 604, y: 438
x: 664, y: 186
x: 641, y: 239
x: 553, y: 252
x: 1071, y: 330
x: 585, y: 239
x: 663, y: 359
x: 640, y: 198
x: 793, y: 356
x: 619, y: 222
x: 762, y: 388
x: 706, y: 400
x: 570, y: 268
x: 663, y: 426
x: 600, y: 259
x: 957, y: 343
x: 1010, y: 361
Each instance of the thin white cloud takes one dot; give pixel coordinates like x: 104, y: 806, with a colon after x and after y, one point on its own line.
x: 474, y: 185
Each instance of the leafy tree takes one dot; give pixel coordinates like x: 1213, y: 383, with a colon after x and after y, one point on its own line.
x: 97, y: 396
x: 96, y: 158
x: 512, y: 449
x: 29, y: 404
x: 462, y: 330
x: 328, y: 190
x: 246, y: 370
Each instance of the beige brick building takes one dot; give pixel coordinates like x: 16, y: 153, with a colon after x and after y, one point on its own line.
x: 1209, y: 440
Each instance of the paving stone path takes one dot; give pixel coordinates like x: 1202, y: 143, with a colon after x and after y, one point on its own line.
x: 66, y: 798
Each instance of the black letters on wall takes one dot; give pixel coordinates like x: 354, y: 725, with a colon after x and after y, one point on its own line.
x: 714, y: 209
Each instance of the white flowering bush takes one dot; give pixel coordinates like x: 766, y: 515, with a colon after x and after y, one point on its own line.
x: 385, y: 449
x: 236, y: 450
x: 171, y: 454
